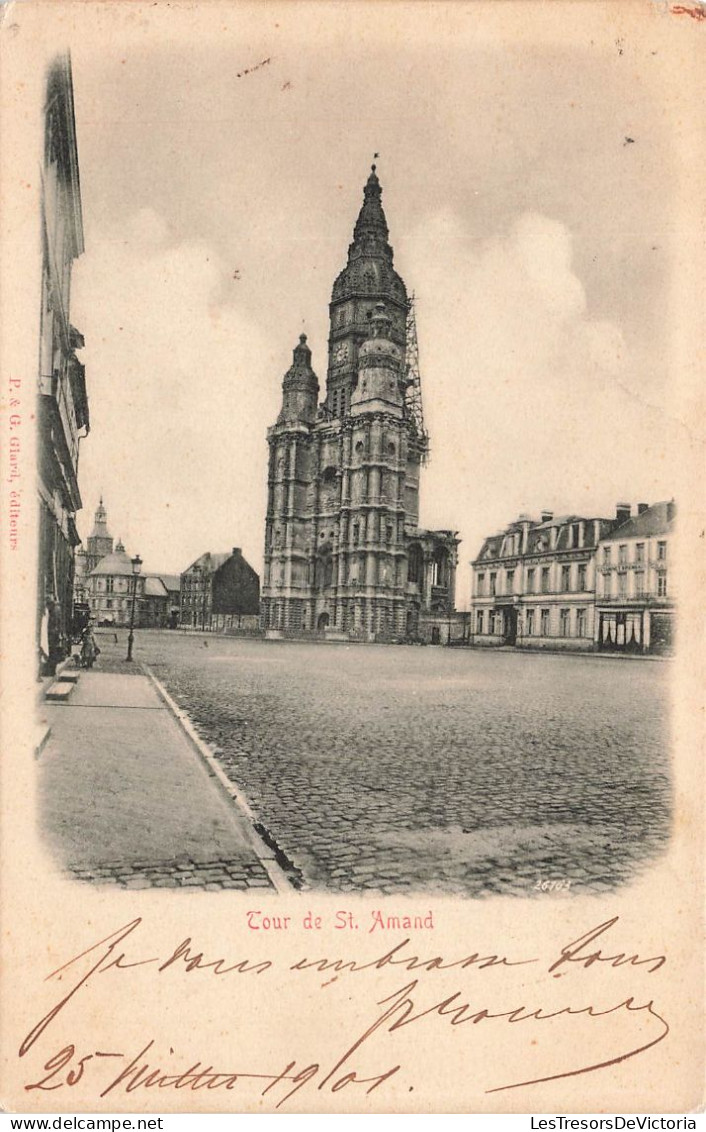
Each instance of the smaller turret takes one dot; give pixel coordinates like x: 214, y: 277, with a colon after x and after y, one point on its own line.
x: 300, y: 387
x: 380, y: 380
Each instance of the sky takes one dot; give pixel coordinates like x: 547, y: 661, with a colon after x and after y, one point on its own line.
x: 528, y: 183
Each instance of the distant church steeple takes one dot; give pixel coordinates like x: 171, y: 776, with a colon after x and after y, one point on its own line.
x: 100, y: 542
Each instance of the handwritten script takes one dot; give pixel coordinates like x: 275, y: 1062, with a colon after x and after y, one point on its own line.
x: 428, y: 996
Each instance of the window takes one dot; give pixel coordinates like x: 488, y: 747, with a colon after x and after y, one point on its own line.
x: 109, y: 604
x: 415, y: 563
x: 662, y: 584
x: 606, y: 555
x: 639, y: 583
x: 530, y: 581
x: 480, y: 585
x: 479, y: 621
x: 545, y: 579
x: 510, y: 581
x: 491, y: 621
x: 661, y: 551
x: 582, y: 576
x: 530, y: 622
x: 356, y: 532
x: 544, y: 622
x: 109, y: 582
x: 622, y: 584
x: 565, y: 579
x: 580, y: 622
x: 564, y: 622
x: 640, y: 552
x: 622, y: 554
x: 493, y: 584
x: 575, y: 534
x: 388, y: 533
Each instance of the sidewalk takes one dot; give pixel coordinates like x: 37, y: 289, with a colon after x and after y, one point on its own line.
x: 127, y: 800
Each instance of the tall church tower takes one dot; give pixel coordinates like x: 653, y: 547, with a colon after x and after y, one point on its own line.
x: 344, y: 554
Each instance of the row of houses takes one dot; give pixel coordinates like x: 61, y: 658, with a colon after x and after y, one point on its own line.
x: 574, y: 582
x: 217, y: 591
x: 560, y: 582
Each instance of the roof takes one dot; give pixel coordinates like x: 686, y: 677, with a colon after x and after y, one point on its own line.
x: 655, y: 520
x: 118, y: 563
x: 538, y: 539
x: 170, y: 581
x: 154, y: 586
x: 215, y: 561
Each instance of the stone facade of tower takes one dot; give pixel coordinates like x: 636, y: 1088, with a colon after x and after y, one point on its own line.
x: 344, y: 554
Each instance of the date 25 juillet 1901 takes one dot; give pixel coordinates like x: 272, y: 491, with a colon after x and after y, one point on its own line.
x: 553, y: 885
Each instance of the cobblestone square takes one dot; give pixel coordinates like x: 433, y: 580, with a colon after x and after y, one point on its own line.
x: 407, y: 769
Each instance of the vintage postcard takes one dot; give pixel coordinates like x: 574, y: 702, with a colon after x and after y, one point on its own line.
x: 352, y: 557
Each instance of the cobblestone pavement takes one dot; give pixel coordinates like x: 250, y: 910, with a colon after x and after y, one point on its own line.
x: 402, y: 769
x: 113, y: 653
x: 208, y: 876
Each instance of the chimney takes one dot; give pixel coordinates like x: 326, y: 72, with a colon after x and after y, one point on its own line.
x: 547, y: 516
x: 622, y: 512
x: 642, y: 507
x: 236, y: 550
x: 525, y: 520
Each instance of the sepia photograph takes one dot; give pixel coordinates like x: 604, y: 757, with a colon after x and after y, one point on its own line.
x: 356, y: 495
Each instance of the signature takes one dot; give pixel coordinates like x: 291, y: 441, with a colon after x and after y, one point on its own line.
x: 408, y: 1005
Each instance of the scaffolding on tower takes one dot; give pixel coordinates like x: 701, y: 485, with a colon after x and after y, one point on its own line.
x: 413, y: 392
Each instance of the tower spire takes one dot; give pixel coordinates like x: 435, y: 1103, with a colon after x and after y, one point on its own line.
x: 371, y: 224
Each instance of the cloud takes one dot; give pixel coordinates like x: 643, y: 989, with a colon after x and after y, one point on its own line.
x: 530, y: 401
x: 180, y: 391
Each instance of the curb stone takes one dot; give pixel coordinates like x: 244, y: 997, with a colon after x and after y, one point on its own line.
x: 278, y: 878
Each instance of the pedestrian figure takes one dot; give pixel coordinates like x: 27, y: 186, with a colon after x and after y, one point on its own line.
x: 51, y: 635
x: 89, y: 648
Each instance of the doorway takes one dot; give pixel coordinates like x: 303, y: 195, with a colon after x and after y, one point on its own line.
x: 509, y: 626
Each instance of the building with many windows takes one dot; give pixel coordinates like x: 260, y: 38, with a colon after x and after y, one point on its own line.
x: 105, y: 584
x: 572, y: 582
x: 534, y: 583
x: 110, y: 586
x: 635, y: 605
x: 62, y: 414
x: 344, y: 554
x: 220, y: 591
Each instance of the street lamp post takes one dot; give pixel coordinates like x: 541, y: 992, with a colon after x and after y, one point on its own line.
x: 136, y: 567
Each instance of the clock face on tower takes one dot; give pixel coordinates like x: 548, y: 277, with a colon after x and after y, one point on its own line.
x: 340, y: 354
